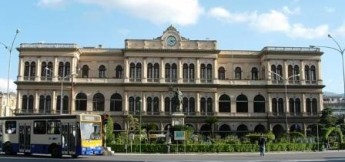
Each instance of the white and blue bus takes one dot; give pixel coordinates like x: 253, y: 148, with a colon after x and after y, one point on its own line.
x: 52, y: 134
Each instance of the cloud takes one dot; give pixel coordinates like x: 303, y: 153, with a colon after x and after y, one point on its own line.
x: 341, y: 30
x: 329, y: 9
x: 180, y: 12
x: 300, y: 31
x: 3, y: 85
x: 223, y: 15
x: 288, y: 11
x: 272, y: 21
x: 51, y: 3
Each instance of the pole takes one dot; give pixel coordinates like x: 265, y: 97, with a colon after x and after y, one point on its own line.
x: 286, y: 95
x: 286, y: 112
x: 61, y: 95
x: 317, y: 136
x: 140, y: 122
x: 9, y: 69
x: 341, y: 51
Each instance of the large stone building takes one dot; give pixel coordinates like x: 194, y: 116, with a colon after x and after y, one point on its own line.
x: 276, y: 88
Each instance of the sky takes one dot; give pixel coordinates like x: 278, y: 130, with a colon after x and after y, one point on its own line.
x: 235, y: 24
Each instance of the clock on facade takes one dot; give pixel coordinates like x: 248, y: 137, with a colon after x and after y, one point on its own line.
x: 171, y: 40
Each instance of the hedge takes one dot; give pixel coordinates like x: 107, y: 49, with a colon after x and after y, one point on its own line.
x: 162, y: 148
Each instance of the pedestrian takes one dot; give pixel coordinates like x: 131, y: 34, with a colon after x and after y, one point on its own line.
x: 262, y: 143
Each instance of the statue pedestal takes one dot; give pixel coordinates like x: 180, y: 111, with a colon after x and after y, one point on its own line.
x: 177, y: 118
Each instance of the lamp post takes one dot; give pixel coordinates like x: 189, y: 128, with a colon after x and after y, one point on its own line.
x: 61, y: 93
x: 341, y: 51
x: 9, y: 69
x: 140, y: 107
x: 286, y: 96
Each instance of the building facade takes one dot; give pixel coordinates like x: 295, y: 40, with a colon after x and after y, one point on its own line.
x: 277, y: 88
x: 7, y: 106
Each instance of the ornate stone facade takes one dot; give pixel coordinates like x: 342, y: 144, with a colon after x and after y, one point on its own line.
x: 245, y: 90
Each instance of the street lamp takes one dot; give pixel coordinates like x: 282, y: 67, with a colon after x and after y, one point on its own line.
x: 9, y: 68
x: 286, y: 96
x: 61, y: 93
x: 140, y: 107
x: 341, y: 51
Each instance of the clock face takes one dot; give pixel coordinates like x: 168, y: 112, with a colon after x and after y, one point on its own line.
x: 171, y: 40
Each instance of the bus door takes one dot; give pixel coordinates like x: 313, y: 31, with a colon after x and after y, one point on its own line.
x: 69, y: 134
x: 24, y: 137
x: 1, y: 136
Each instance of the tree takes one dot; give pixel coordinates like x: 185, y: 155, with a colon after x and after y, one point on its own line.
x: 109, y: 127
x: 211, y: 121
x: 327, y: 118
x: 132, y: 123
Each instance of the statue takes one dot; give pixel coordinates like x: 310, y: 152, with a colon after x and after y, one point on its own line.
x: 178, y: 99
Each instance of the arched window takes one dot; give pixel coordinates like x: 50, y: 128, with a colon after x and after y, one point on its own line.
x: 156, y: 72
x: 116, y: 102
x: 224, y: 103
x: 101, y: 71
x: 314, y: 106
x: 281, y: 106
x: 135, y: 72
x: 152, y: 105
x: 203, y: 73
x: 85, y: 71
x: 98, y: 102
x: 188, y: 73
x: 185, y: 72
x: 313, y: 74
x: 242, y: 103
x: 255, y: 73
x: 44, y: 70
x: 118, y: 72
x: 81, y: 102
x: 206, y: 106
x: 65, y: 104
x: 134, y: 105
x: 274, y: 106
x: 170, y: 72
x: 206, y: 73
x: 308, y: 105
x: 306, y: 74
x: 188, y: 105
x: 33, y: 71
x: 221, y: 73
x: 238, y: 73
x: 209, y: 73
x: 174, y: 72
x: 274, y: 70
x: 191, y: 72
x: 44, y: 104
x: 298, y: 106
x: 64, y: 70
x: 259, y: 104
x: 28, y: 104
x: 167, y: 105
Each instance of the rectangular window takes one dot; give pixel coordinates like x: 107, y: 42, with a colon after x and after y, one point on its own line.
x: 53, y: 127
x: 40, y: 127
x: 10, y: 127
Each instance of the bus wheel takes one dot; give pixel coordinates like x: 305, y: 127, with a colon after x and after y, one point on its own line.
x: 7, y: 148
x: 74, y: 156
x: 55, y: 151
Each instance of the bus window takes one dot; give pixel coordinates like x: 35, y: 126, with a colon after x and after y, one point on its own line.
x: 90, y: 131
x: 0, y: 131
x: 10, y: 127
x: 40, y: 127
x: 53, y: 127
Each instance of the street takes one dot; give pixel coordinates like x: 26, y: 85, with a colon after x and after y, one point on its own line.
x: 326, y: 156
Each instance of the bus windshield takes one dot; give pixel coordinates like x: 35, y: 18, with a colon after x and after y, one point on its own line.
x: 90, y: 131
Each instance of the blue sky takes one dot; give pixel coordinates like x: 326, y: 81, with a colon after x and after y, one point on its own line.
x: 236, y: 25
